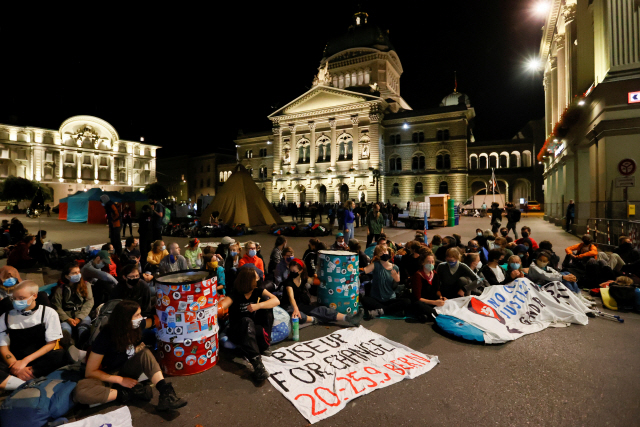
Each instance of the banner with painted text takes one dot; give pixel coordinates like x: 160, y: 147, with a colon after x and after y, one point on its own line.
x: 321, y: 376
x: 505, y: 313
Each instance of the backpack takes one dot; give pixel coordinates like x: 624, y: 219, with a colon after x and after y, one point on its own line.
x: 166, y: 217
x: 516, y: 215
x: 37, y: 402
x: 102, y: 318
x: 625, y: 296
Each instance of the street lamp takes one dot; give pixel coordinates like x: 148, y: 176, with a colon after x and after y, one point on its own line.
x: 376, y: 178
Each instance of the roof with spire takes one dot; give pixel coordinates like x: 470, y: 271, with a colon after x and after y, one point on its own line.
x: 360, y: 34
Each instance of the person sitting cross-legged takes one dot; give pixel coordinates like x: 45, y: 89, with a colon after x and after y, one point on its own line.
x: 28, y: 335
x: 174, y: 261
x: 381, y: 299
x: 118, y: 358
x: 73, y: 301
x: 541, y: 274
x: 455, y: 277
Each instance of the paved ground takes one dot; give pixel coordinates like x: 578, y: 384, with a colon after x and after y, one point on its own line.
x: 581, y: 375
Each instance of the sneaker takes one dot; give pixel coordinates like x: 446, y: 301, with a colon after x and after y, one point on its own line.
x: 169, y: 401
x: 259, y: 371
x: 355, y: 318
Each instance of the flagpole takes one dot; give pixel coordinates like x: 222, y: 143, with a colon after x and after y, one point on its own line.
x: 493, y: 184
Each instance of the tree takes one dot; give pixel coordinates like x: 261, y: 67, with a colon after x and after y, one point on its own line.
x: 16, y: 188
x: 156, y: 191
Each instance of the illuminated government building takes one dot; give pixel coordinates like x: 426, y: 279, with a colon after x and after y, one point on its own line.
x: 85, y: 152
x: 332, y: 142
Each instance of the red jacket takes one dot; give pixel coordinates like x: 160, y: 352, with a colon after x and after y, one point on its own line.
x: 246, y: 259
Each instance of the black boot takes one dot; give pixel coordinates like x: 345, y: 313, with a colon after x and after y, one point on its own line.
x: 259, y: 371
x: 168, y: 399
x: 138, y: 392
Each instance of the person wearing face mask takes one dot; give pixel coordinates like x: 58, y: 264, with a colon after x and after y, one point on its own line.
x: 626, y: 251
x: 580, y: 254
x: 174, y: 261
x: 501, y: 243
x: 113, y: 218
x: 102, y: 282
x: 480, y: 237
x: 131, y: 287
x: 212, y: 264
x: 493, y: 273
x: 411, y: 262
x: 118, y: 358
x: 193, y: 254
x: 28, y: 335
x: 526, y: 234
x: 541, y: 274
x: 282, y: 270
x: 474, y: 248
x: 452, y: 274
x: 9, y: 278
x: 310, y: 257
x: 73, y: 301
x: 251, y: 256
x: 381, y: 299
x: 297, y: 301
x: 425, y: 288
x: 515, y: 264
x: 340, y: 244
x: 157, y: 253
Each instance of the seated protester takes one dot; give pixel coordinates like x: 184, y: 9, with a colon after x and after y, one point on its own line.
x: 363, y: 259
x: 114, y: 266
x: 455, y: 277
x: 282, y: 269
x: 340, y: 244
x: 541, y: 274
x: 193, y: 254
x: 156, y: 254
x: 554, y: 260
x: 461, y: 247
x: 259, y: 253
x: 410, y: 263
x: 9, y: 277
x: 251, y: 319
x: 118, y: 358
x: 447, y: 243
x: 474, y: 248
x: 310, y: 257
x: 514, y: 267
x: 19, y: 256
x: 475, y: 287
x: 276, y: 254
x: 425, y: 288
x: 382, y: 297
x: 212, y: 264
x: 480, y: 237
x: 73, y: 301
x: 420, y: 239
x: 528, y: 244
x: 626, y: 251
x: 297, y: 300
x: 174, y: 261
x: 436, y: 242
x: 224, y: 248
x: 526, y: 234
x: 133, y: 288
x: 251, y: 256
x: 522, y: 252
x: 103, y: 283
x: 131, y: 248
x: 28, y: 335
x: 389, y: 243
x: 578, y: 255
x: 231, y: 264
x: 504, y: 232
x: 36, y: 250
x: 496, y: 275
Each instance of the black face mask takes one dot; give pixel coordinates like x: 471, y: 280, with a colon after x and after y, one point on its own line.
x: 294, y: 274
x: 626, y: 246
x: 385, y: 257
x: 586, y: 242
x: 132, y: 282
x: 525, y: 234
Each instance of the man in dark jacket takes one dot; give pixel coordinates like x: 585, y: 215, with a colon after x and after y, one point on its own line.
x: 513, y: 217
x: 626, y: 250
x: 571, y: 214
x: 113, y: 218
x: 145, y: 230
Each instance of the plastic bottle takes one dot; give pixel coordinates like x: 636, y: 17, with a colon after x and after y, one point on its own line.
x: 296, y: 329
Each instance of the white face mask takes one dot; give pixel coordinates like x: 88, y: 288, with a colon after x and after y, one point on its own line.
x: 137, y: 322
x: 479, y: 264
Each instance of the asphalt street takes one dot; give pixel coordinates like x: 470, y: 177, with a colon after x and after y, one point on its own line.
x: 575, y: 376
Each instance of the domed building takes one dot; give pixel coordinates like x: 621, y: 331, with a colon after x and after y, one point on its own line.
x: 331, y: 143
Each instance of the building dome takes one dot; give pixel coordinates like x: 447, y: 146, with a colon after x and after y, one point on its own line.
x: 360, y: 34
x: 455, y: 98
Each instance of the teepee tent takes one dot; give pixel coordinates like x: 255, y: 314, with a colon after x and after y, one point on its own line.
x: 240, y: 201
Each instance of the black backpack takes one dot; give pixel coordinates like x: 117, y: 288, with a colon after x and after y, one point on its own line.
x: 515, y: 215
x: 625, y: 296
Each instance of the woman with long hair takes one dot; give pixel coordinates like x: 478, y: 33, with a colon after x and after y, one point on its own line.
x: 118, y: 358
x: 250, y: 319
x: 73, y: 301
x: 425, y: 287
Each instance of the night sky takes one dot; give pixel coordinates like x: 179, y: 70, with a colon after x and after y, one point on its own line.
x: 189, y: 76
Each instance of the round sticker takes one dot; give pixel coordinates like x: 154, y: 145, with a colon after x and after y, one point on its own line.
x: 198, y: 290
x: 169, y: 330
x: 179, y: 366
x: 327, y: 258
x: 176, y: 295
x: 202, y: 301
x: 202, y: 360
x: 161, y: 354
x: 166, y: 300
x: 191, y: 360
x: 344, y: 271
x: 337, y: 261
x: 178, y: 330
x: 339, y: 290
x: 174, y: 288
x: 187, y: 342
x: 200, y: 315
x: 201, y: 340
x: 167, y: 348
x: 207, y: 345
x: 330, y: 291
x: 194, y: 306
x: 348, y: 309
x: 353, y: 296
x: 170, y: 310
x: 209, y: 353
x: 178, y: 351
x: 333, y: 305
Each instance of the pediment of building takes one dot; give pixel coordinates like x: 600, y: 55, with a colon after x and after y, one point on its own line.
x: 322, y: 97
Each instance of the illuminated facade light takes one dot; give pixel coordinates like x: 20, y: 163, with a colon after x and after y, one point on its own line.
x: 541, y: 8
x: 581, y: 102
x: 79, y: 181
x: 405, y: 126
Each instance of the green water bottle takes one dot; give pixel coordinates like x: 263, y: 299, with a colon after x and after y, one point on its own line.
x: 296, y: 329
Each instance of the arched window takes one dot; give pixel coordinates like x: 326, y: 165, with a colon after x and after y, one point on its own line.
x: 504, y: 160
x: 493, y: 160
x: 350, y: 150
x: 340, y: 151
x: 417, y: 189
x: 347, y: 80
x: 398, y: 163
x: 367, y: 76
x: 526, y: 159
x: 354, y: 78
x: 395, y: 164
x: 341, y: 81
x: 443, y: 188
x: 515, y: 159
x: 360, y: 77
x: 414, y: 163
x: 221, y: 176
x: 320, y: 153
x: 301, y: 154
x: 440, y: 161
x: 447, y: 161
x: 335, y: 81
x: 395, y: 189
x: 473, y: 162
x: 483, y: 161
x: 421, y: 163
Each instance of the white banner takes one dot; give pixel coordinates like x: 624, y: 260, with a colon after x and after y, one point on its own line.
x: 505, y: 313
x: 118, y: 418
x: 321, y: 376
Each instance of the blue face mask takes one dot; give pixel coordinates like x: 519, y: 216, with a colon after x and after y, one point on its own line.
x: 75, y: 278
x: 21, y: 305
x: 10, y: 282
x: 252, y: 253
x: 428, y: 267
x: 514, y: 266
x: 234, y: 253
x: 452, y: 263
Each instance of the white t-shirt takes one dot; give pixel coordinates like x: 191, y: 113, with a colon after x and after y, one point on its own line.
x: 18, y: 321
x: 499, y: 272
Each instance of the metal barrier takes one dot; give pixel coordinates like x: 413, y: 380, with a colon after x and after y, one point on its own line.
x: 607, y: 230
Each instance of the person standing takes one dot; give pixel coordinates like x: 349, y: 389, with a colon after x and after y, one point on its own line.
x: 496, y: 217
x: 513, y: 217
x: 349, y: 218
x: 571, y: 214
x: 157, y: 215
x: 375, y: 224
x: 113, y: 218
x: 145, y: 230
x: 127, y: 219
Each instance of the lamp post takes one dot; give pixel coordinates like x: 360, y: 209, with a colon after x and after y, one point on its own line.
x: 376, y: 178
